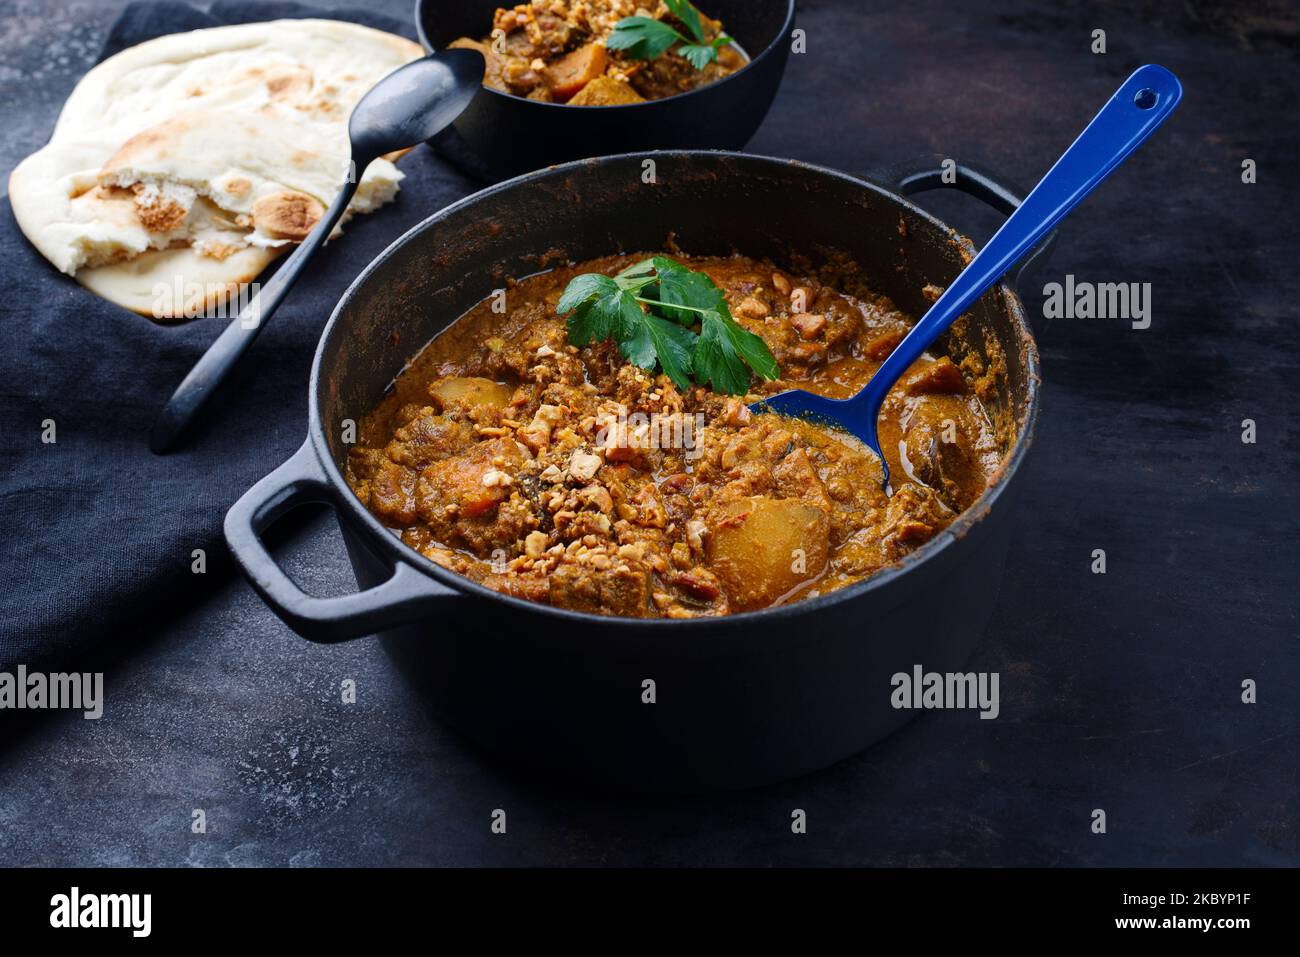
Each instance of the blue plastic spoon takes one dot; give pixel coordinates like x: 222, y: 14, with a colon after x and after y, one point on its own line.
x: 1140, y: 105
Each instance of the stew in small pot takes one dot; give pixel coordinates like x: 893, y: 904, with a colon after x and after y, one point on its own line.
x: 604, y: 52
x: 530, y: 453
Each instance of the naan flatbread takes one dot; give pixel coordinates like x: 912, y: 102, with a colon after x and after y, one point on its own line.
x: 199, y: 157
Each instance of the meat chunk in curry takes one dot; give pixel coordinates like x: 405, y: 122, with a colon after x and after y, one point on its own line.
x: 568, y: 476
x: 556, y: 51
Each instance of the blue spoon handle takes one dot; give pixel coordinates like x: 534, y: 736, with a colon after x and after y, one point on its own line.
x: 1140, y: 105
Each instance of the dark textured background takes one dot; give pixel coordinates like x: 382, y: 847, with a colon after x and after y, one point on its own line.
x: 1118, y: 691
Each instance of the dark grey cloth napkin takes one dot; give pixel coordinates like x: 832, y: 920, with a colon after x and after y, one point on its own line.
x: 99, y: 533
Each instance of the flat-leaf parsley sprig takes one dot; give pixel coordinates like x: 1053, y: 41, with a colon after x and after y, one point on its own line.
x: 651, y: 309
x: 645, y: 38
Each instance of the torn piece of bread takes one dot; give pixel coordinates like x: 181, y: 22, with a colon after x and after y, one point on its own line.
x: 274, y: 186
x: 219, y: 142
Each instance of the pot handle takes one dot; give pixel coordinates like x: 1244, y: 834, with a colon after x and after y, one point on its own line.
x: 927, y: 172
x: 405, y: 596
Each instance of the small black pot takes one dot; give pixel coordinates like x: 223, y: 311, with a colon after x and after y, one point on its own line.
x: 742, y: 699
x: 500, y: 135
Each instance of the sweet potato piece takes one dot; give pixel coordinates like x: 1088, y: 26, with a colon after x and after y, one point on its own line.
x: 606, y: 91
x: 576, y: 69
x: 762, y: 548
x: 467, y: 390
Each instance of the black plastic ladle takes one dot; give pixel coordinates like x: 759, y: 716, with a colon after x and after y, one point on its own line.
x: 410, y: 105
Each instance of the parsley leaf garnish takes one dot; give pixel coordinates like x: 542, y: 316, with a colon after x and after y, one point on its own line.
x: 644, y: 38
x: 725, y: 352
x: 678, y: 286
x: 651, y: 308
x: 685, y: 11
x: 666, y: 341
x: 701, y: 55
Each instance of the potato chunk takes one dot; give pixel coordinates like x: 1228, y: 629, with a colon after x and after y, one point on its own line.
x: 468, y: 390
x: 575, y: 70
x: 762, y: 548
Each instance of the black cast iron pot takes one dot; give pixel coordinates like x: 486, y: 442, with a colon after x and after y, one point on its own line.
x: 500, y: 135
x: 739, y: 700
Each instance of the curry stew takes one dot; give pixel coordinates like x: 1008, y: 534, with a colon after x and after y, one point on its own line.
x: 556, y: 51
x: 573, y: 478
